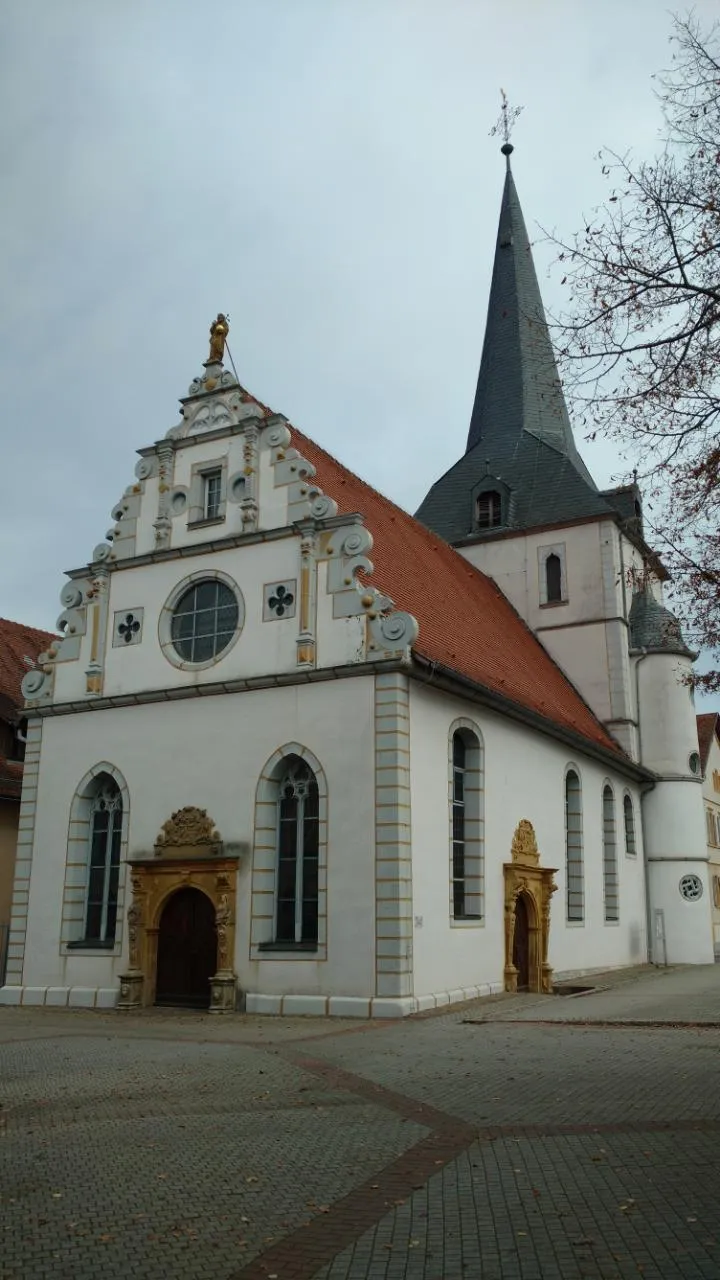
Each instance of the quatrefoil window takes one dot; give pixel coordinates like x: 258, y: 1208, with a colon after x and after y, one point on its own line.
x: 128, y: 627
x: 280, y: 600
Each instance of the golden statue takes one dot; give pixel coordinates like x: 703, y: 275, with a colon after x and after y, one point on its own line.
x: 219, y: 330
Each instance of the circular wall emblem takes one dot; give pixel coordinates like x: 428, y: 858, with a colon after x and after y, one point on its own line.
x: 691, y: 888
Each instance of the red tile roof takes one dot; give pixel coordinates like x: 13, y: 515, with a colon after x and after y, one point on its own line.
x: 17, y: 642
x: 465, y: 621
x: 707, y: 725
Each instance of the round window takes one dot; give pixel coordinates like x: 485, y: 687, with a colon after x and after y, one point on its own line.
x: 204, y: 621
x: 691, y: 888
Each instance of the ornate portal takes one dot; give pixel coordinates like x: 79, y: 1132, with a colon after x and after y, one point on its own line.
x: 528, y: 890
x: 188, y: 854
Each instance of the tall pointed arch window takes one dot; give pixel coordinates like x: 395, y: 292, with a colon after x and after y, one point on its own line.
x: 574, y: 873
x: 553, y: 578
x: 629, y: 825
x: 466, y: 832
x: 610, y: 866
x: 104, y: 862
x: 296, y: 901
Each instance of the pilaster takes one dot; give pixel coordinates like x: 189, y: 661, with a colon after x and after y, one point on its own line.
x: 23, y: 860
x: 393, y: 838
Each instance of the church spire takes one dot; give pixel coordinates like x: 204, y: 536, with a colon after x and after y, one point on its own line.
x: 518, y: 388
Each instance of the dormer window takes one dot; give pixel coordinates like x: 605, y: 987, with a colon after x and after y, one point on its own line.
x: 489, y: 510
x: 212, y: 494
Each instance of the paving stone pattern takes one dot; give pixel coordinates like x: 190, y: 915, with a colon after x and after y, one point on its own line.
x: 431, y: 1149
x: 145, y: 1159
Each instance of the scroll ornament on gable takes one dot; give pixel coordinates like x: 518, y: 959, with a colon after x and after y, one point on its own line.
x: 389, y: 632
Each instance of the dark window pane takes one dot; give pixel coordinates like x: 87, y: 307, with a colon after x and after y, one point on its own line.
x: 310, y: 920
x: 312, y: 801
x: 111, y: 922
x: 458, y: 898
x: 310, y: 879
x: 553, y: 578
x: 227, y: 617
x: 458, y: 821
x: 458, y: 861
x: 458, y: 785
x: 203, y: 648
x: 94, y: 916
x: 311, y: 837
x: 205, y: 595
x: 286, y: 878
x: 205, y: 622
x: 459, y: 750
x: 285, y: 920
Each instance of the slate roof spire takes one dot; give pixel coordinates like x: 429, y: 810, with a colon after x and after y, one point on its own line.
x: 520, y: 443
x: 518, y: 388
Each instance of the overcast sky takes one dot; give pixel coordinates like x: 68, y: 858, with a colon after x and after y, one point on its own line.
x: 320, y: 169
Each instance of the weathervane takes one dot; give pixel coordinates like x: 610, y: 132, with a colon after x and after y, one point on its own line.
x: 504, y: 123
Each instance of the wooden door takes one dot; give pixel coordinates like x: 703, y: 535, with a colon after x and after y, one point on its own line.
x: 521, y: 943
x: 187, y: 950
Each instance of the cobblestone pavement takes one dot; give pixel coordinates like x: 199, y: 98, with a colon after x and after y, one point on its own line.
x: 177, y: 1146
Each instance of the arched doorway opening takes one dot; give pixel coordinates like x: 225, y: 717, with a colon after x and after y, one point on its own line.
x: 521, y: 943
x: 187, y: 950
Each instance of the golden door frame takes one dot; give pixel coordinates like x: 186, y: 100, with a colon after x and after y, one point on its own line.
x: 188, y: 854
x: 524, y: 876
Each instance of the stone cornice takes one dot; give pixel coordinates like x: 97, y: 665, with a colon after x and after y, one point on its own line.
x: 216, y: 688
x: 226, y: 543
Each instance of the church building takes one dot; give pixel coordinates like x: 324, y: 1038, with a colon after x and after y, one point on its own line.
x: 297, y: 751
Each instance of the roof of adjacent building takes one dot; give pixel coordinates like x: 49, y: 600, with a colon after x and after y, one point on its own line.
x: 520, y: 432
x: 20, y: 647
x: 708, y: 727
x: 466, y: 623
x: 17, y: 642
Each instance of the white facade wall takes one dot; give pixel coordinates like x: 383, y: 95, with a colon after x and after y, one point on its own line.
x: 210, y: 752
x: 673, y: 816
x: 711, y: 801
x: 586, y: 633
x: 524, y: 778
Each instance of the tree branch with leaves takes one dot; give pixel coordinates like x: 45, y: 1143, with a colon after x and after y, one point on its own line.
x: 639, y: 337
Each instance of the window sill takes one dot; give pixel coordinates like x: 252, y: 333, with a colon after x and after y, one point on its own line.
x: 85, y: 944
x: 553, y: 604
x: 288, y: 946
x: 466, y: 921
x: 205, y: 523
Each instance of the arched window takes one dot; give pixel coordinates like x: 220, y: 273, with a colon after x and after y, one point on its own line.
x: 610, y: 867
x: 296, y: 897
x: 575, y: 893
x: 489, y: 510
x: 92, y: 904
x: 466, y: 843
x: 629, y: 821
x: 104, y: 862
x: 553, y: 578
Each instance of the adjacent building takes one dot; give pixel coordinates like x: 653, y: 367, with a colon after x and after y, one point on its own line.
x: 19, y: 648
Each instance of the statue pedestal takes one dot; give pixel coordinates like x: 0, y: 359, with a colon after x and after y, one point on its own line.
x: 223, y: 992
x: 131, y: 990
